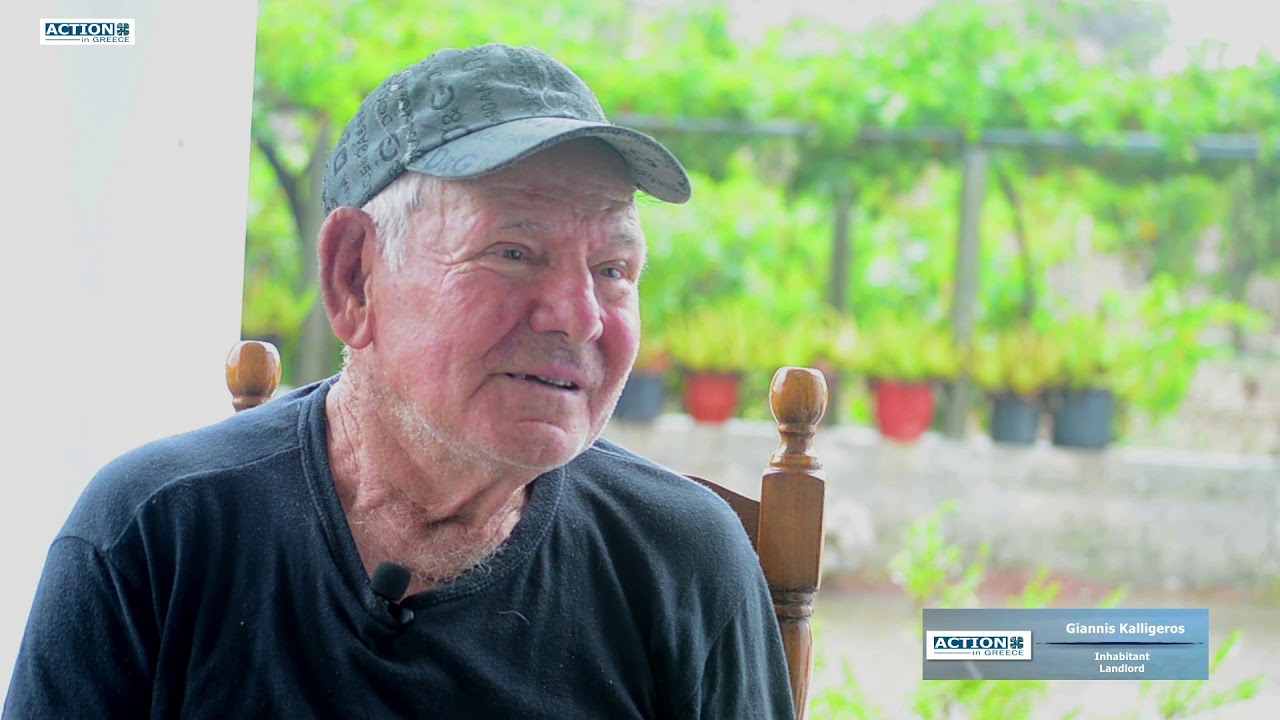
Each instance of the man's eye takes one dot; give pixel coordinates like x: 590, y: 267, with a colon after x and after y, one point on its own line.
x: 613, y: 272
x: 513, y: 254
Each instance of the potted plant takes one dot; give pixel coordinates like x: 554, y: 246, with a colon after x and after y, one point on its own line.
x: 902, y: 358
x: 645, y: 392
x: 712, y: 346
x: 1014, y: 368
x: 1096, y: 367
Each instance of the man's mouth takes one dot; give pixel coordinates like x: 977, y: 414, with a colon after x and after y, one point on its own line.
x: 552, y: 382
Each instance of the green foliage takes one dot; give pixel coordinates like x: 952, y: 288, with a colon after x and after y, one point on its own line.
x: 1021, y: 361
x: 1186, y: 698
x: 1145, y: 348
x: 978, y: 699
x: 740, y: 238
x: 272, y: 309
x: 1171, y: 331
x: 905, y: 348
x: 1160, y: 224
x: 907, y: 263
x: 723, y: 337
x: 823, y: 338
x: 1095, y: 354
x: 930, y: 569
x: 846, y: 701
x: 1252, y: 227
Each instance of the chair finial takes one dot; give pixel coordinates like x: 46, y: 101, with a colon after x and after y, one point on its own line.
x: 253, y: 373
x: 798, y: 399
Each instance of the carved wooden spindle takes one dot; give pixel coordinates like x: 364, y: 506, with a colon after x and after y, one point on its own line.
x: 253, y: 373
x: 791, y: 518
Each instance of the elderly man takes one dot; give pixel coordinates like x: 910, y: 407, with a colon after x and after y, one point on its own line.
x: 480, y: 262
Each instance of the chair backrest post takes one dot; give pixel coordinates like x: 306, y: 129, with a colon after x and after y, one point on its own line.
x: 253, y: 373
x: 790, y: 536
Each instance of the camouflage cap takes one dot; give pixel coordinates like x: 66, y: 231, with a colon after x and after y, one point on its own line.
x: 463, y: 113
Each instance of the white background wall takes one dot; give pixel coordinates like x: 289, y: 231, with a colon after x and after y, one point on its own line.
x: 125, y: 185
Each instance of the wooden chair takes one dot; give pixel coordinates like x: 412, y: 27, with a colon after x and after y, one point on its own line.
x: 785, y: 525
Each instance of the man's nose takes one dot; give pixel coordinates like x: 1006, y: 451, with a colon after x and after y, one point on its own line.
x: 566, y: 303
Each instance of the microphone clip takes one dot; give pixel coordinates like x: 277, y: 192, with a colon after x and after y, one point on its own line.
x: 390, y: 581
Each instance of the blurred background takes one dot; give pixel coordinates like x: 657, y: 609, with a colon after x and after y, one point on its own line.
x: 957, y: 185
x: 1034, y: 245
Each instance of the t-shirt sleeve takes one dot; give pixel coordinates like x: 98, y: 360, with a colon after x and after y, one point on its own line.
x: 745, y: 676
x: 84, y: 653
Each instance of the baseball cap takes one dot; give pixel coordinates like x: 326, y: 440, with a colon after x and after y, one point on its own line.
x: 464, y: 113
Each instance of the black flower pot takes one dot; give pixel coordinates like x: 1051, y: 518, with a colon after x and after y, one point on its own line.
x: 1084, y: 419
x: 1015, y: 420
x: 642, y: 397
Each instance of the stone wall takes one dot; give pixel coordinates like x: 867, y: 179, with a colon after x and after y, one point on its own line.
x: 1123, y: 516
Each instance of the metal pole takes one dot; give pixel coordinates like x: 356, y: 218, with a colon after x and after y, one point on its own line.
x: 968, y: 254
x: 838, y: 291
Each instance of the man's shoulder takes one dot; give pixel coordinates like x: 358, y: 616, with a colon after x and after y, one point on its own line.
x: 676, y: 550
x: 620, y: 470
x: 650, y: 498
x: 150, y: 473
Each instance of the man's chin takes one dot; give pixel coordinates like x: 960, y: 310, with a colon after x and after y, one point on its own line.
x: 543, y: 446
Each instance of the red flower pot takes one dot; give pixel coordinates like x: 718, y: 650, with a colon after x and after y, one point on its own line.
x: 711, y: 397
x: 904, y: 410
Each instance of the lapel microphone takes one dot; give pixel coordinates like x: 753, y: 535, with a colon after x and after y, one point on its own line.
x: 390, y: 581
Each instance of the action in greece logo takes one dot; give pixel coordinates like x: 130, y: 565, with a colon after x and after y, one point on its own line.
x: 101, y: 31
x: 977, y: 645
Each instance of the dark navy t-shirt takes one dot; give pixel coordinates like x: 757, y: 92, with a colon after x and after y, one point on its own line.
x: 213, y: 575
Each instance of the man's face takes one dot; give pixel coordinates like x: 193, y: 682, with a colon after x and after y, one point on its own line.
x: 509, y: 331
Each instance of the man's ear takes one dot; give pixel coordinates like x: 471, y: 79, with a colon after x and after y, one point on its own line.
x: 347, y: 248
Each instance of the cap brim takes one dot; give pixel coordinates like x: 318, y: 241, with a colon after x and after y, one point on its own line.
x: 654, y: 169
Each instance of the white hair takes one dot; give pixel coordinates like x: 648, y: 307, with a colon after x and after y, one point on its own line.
x: 394, y: 210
